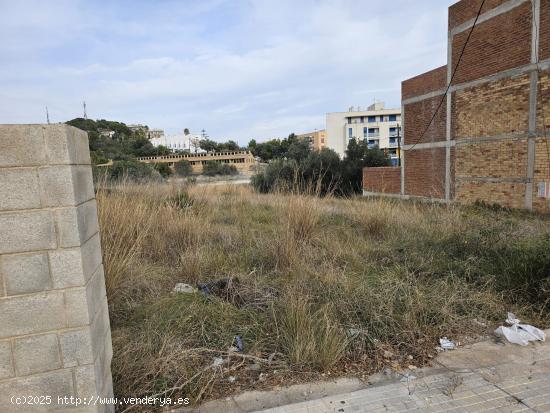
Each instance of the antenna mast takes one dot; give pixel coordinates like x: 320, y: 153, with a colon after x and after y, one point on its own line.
x: 47, y: 116
x: 84, y: 105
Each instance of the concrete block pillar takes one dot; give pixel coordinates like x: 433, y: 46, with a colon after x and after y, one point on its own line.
x: 55, y: 338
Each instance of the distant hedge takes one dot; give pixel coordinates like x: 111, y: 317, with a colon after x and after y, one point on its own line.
x: 212, y: 168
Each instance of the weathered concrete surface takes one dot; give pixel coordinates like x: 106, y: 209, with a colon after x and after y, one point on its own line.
x: 486, y: 376
x: 54, y: 327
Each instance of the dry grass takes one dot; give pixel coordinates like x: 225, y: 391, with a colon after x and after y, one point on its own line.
x: 318, y: 285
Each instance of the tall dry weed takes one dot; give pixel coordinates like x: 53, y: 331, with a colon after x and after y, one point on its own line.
x: 309, y: 337
x: 125, y: 221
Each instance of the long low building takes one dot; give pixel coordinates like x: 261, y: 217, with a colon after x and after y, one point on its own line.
x: 242, y: 160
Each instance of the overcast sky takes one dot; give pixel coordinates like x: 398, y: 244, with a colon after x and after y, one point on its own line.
x: 240, y: 69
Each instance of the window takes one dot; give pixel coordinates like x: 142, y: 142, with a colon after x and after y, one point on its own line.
x: 381, y: 118
x: 372, y: 119
x: 392, y: 118
x: 365, y: 131
x: 362, y: 119
x: 350, y: 133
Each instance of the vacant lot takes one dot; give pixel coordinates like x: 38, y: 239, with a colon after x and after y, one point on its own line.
x: 313, y: 287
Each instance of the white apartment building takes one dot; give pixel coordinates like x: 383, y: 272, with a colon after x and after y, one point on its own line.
x: 377, y: 125
x: 179, y: 143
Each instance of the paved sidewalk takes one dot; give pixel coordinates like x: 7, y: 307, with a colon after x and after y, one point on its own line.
x: 484, y: 377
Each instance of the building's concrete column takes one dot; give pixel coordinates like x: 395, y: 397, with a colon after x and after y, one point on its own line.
x: 55, y: 336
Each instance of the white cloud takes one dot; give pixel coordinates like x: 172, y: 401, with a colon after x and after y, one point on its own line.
x: 236, y: 68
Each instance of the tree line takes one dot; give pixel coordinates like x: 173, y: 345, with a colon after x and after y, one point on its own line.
x: 291, y: 162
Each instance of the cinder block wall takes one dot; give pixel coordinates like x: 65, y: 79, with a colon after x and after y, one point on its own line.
x: 54, y: 324
x: 487, y: 141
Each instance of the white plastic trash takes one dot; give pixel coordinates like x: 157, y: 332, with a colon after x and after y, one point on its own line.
x: 518, y: 333
x: 446, y: 344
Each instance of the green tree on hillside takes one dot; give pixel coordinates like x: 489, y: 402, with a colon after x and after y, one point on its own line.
x: 123, y: 146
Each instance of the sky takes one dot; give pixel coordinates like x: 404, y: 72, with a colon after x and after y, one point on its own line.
x: 239, y: 69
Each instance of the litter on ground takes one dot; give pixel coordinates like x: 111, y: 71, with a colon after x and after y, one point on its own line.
x: 446, y: 344
x: 518, y: 333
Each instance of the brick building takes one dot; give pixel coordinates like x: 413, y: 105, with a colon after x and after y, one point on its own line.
x: 487, y: 140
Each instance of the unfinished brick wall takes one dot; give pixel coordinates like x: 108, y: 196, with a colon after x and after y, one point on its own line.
x: 466, y: 10
x: 491, y: 144
x: 425, y: 83
x: 54, y: 324
x: 417, y: 118
x: 491, y: 109
x: 544, y: 28
x: 425, y: 173
x: 385, y: 180
x: 496, y: 45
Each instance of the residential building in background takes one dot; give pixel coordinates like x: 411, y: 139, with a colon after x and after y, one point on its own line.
x: 107, y: 133
x: 378, y: 126
x: 179, y: 142
x: 138, y: 128
x: 155, y: 133
x: 317, y: 139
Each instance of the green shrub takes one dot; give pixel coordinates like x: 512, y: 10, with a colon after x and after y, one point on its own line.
x: 163, y: 168
x: 183, y: 168
x: 319, y: 171
x: 132, y: 171
x: 279, y: 173
x: 212, y: 168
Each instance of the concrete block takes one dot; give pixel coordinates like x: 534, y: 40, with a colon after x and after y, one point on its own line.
x: 91, y: 256
x: 55, y: 384
x: 66, y: 145
x: 99, y: 329
x: 95, y: 292
x: 65, y: 185
x: 77, y: 224
x: 22, y: 145
x: 26, y: 231
x: 85, y: 381
x: 6, y: 360
x: 76, y: 307
x: 76, y: 347
x: 107, y: 391
x: 19, y: 189
x: 66, y: 267
x: 25, y: 273
x: 108, y: 349
x: 36, y: 354
x: 34, y: 313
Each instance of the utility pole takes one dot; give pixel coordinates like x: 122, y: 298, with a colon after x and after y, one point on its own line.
x: 47, y: 116
x: 398, y: 144
x: 85, y: 114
